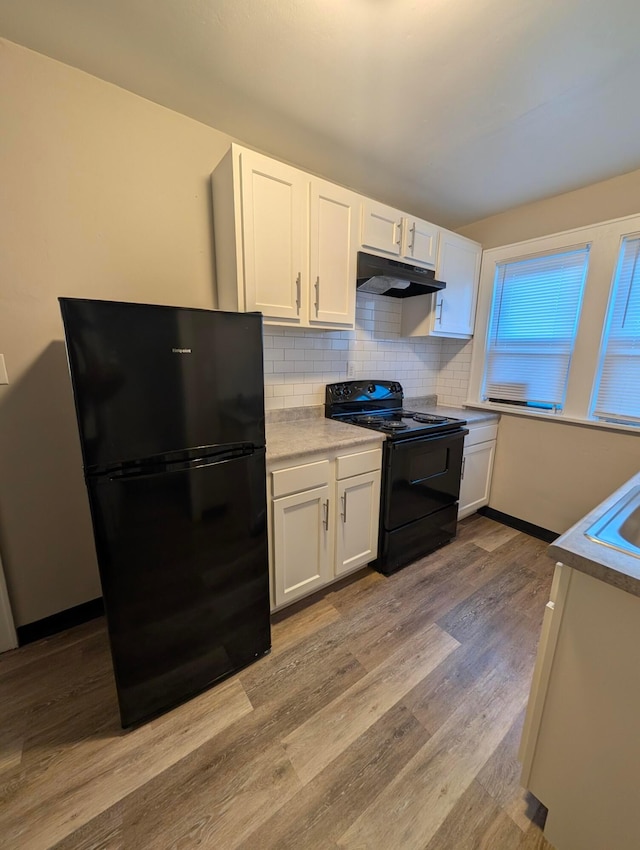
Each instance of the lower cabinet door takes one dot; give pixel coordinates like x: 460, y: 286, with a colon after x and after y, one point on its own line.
x: 302, y: 543
x: 477, y: 463
x: 358, y: 506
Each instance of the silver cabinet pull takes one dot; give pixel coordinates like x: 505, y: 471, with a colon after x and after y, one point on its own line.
x: 413, y: 237
x: 399, y: 226
x: 298, y: 290
x: 464, y: 460
x: 317, y: 295
x: 344, y: 508
x: 326, y: 515
x: 439, y: 316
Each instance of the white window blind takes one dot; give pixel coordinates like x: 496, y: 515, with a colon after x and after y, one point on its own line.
x: 617, y: 395
x: 532, y: 328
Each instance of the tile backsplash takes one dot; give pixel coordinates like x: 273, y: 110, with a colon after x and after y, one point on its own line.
x: 453, y: 377
x: 299, y: 362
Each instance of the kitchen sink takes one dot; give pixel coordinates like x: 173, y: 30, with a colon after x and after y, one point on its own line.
x: 619, y: 527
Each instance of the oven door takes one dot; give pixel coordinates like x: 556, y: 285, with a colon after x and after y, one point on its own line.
x: 421, y: 476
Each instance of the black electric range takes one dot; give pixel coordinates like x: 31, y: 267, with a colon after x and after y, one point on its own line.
x: 421, y: 469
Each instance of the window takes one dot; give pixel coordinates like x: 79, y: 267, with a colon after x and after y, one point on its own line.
x: 532, y: 329
x: 617, y: 394
x: 558, y: 327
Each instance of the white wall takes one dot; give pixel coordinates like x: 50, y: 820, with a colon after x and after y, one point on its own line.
x: 546, y: 472
x: 104, y: 195
x: 107, y: 195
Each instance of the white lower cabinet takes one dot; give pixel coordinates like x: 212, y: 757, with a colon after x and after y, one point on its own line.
x: 358, y: 500
x: 580, y: 745
x: 301, y: 543
x: 323, y: 521
x: 477, y: 466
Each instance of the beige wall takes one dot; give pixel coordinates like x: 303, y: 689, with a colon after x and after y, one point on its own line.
x: 104, y: 195
x: 602, y: 201
x: 548, y: 473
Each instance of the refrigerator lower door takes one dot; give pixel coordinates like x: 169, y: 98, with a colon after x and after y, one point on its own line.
x: 184, y: 572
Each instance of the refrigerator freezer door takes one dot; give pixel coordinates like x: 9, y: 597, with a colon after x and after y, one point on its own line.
x: 183, y: 564
x: 149, y: 379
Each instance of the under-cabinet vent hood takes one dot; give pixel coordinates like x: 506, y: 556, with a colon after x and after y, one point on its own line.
x: 384, y: 276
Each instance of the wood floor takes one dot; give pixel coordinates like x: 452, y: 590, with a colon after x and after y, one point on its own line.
x: 387, y: 717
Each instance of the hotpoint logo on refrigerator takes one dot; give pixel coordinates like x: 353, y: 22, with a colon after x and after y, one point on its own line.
x: 181, y: 350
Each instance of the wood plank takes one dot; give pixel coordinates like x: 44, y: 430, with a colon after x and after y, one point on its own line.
x: 326, y: 807
x: 476, y: 822
x: 95, y: 773
x: 288, y: 632
x: 226, y: 802
x: 314, y: 744
x: 500, y: 777
x: 435, y: 763
x: 413, y: 806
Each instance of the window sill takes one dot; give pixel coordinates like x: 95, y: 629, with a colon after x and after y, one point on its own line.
x: 560, y: 418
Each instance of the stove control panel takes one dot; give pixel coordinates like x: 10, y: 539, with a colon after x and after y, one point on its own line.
x: 364, y: 391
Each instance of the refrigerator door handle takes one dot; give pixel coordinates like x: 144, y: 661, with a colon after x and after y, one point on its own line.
x: 162, y: 466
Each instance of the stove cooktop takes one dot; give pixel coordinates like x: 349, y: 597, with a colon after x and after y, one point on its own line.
x: 403, y: 422
x: 379, y: 405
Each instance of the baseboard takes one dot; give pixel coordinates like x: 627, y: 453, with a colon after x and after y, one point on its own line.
x: 520, y: 524
x: 59, y: 622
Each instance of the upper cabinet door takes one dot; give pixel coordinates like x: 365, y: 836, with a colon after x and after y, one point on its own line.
x: 381, y: 228
x: 334, y: 216
x: 275, y: 224
x: 459, y: 267
x: 421, y: 242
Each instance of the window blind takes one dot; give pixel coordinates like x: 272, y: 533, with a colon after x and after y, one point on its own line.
x: 532, y: 328
x: 617, y: 394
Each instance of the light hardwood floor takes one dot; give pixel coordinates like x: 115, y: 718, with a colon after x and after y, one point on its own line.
x: 387, y: 717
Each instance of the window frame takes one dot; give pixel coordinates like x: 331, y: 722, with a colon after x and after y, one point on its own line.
x: 605, y: 241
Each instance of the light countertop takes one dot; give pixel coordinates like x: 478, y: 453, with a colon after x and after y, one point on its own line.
x: 291, y: 440
x: 574, y: 549
x: 304, y: 431
x: 471, y: 416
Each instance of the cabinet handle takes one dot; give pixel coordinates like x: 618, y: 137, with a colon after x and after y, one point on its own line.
x: 399, y: 226
x: 439, y: 316
x: 298, y: 290
x: 413, y: 237
x: 464, y: 460
x: 325, y: 522
x: 344, y: 508
x: 317, y: 295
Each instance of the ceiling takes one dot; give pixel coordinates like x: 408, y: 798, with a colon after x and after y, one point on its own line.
x: 453, y: 109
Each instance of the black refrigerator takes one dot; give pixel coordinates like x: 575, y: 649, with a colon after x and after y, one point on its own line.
x: 170, y: 409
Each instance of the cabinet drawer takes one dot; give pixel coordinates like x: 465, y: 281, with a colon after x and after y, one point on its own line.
x: 481, y: 434
x: 356, y: 464
x: 297, y: 478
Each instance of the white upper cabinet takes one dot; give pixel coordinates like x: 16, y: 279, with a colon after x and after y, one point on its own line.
x: 388, y: 231
x: 451, y: 311
x: 286, y: 243
x: 459, y: 267
x: 274, y: 224
x: 381, y: 228
x: 420, y: 241
x: 334, y: 215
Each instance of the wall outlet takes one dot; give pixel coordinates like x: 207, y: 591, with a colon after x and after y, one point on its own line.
x: 4, y: 378
x: 351, y: 369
